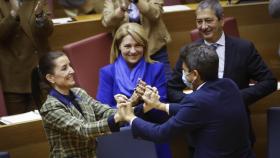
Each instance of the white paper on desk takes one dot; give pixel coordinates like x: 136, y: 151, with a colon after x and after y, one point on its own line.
x: 28, y: 116
x: 173, y: 8
x: 62, y: 20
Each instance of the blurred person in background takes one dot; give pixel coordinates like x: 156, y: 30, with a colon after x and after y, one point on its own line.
x: 74, y: 8
x: 24, y: 30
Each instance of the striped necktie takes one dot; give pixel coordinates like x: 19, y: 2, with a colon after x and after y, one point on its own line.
x: 215, y: 46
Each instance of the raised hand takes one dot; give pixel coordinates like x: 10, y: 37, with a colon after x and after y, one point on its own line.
x: 123, y: 6
x: 39, y: 8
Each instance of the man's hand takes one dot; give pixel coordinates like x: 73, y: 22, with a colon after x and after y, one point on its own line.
x: 125, y: 111
x: 151, y: 98
x: 39, y: 8
x: 123, y: 6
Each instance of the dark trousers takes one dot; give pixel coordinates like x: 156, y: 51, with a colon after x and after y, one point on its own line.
x: 17, y: 103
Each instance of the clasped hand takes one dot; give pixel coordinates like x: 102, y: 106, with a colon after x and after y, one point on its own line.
x: 143, y: 91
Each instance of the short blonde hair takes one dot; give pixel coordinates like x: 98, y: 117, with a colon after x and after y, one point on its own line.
x: 137, y: 32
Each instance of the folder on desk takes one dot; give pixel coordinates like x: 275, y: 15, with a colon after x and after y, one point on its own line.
x: 122, y: 144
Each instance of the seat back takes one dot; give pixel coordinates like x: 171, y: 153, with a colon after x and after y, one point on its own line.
x: 3, y: 111
x: 122, y: 144
x: 273, y: 122
x: 87, y: 56
x: 230, y: 28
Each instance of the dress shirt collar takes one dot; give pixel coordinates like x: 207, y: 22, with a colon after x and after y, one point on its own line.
x: 221, y: 41
x: 65, y: 99
x: 200, y: 86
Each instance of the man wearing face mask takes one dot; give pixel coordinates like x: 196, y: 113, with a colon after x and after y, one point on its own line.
x: 213, y: 116
x: 24, y: 31
x: 238, y: 59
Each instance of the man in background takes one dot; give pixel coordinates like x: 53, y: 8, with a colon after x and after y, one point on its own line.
x: 24, y: 31
x: 238, y: 59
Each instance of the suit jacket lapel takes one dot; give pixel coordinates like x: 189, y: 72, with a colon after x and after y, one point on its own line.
x: 229, y: 55
x: 25, y: 13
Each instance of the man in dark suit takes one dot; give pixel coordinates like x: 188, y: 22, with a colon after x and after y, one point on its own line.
x: 238, y: 58
x: 212, y: 116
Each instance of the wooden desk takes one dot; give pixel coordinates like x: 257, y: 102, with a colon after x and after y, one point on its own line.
x: 24, y: 140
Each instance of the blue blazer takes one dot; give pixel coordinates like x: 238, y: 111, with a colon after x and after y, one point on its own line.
x: 242, y: 63
x: 154, y: 76
x: 213, y: 117
x: 107, y: 88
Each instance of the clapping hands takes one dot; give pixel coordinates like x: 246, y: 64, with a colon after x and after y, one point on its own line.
x: 39, y: 8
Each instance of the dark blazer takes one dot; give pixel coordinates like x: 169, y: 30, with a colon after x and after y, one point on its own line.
x: 212, y: 116
x: 242, y: 63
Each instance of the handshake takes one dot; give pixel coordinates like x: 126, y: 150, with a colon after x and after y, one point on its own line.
x: 143, y: 92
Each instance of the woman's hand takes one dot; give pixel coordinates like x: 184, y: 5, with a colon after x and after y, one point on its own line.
x: 138, y: 92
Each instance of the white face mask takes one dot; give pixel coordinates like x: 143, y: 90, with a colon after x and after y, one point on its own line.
x: 186, y: 82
